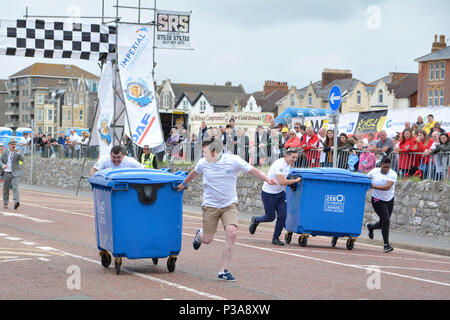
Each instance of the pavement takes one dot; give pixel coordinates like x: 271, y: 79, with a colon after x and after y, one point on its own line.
x: 398, y: 239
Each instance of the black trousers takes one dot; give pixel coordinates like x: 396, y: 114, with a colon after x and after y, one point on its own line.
x: 384, y: 210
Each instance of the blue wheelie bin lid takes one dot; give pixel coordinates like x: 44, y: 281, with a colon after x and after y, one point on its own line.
x: 331, y: 174
x: 110, y: 177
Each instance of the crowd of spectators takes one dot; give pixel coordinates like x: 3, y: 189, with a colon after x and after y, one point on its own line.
x: 421, y: 149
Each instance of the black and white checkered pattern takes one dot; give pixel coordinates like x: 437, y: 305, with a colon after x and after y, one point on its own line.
x: 44, y: 39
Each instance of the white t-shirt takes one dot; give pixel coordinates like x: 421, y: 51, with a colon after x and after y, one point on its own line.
x: 379, y: 179
x: 220, y: 178
x: 105, y: 162
x: 278, y: 167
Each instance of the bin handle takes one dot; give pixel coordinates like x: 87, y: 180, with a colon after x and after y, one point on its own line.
x: 294, y: 185
x: 147, y: 193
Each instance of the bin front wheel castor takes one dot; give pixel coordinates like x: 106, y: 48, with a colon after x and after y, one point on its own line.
x: 117, y: 264
x: 303, y: 240
x: 334, y: 241
x: 171, y: 261
x: 350, y: 244
x: 288, y: 237
x: 155, y: 261
x: 105, y: 258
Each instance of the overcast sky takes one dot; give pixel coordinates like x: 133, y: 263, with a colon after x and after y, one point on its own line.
x: 250, y: 41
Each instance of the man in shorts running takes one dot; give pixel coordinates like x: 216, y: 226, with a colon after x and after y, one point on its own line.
x: 220, y: 201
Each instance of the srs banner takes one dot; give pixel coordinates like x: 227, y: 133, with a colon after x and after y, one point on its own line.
x: 173, y: 30
x: 135, y: 52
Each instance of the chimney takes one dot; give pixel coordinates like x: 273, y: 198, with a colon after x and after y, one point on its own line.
x: 271, y: 86
x: 329, y: 75
x: 438, y: 45
x: 228, y: 83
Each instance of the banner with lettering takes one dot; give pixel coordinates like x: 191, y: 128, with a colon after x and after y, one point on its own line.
x: 372, y: 121
x: 135, y: 51
x: 173, y: 29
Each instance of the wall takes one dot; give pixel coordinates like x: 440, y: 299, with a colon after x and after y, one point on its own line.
x: 420, y: 207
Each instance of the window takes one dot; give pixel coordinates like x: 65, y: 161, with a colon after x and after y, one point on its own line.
x: 251, y: 106
x: 69, y: 100
x: 81, y: 115
x: 69, y: 115
x: 310, y: 100
x: 438, y: 71
x: 380, y: 96
x: 441, y: 98
x: 81, y: 101
x: 442, y: 70
x: 235, y: 108
x: 292, y: 99
x: 358, y: 97
x: 430, y: 98
x: 202, y: 106
x: 50, y: 115
x: 49, y: 130
x: 185, y: 104
x: 431, y: 71
x: 165, y: 100
x: 39, y: 115
x: 94, y: 86
x: 436, y: 98
x: 40, y: 99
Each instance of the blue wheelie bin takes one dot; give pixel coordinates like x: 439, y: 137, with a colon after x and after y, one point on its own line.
x: 138, y: 215
x: 327, y: 202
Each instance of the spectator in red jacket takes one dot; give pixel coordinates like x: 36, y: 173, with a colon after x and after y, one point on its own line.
x: 424, y: 143
x: 293, y: 141
x: 310, y: 145
x: 405, y: 147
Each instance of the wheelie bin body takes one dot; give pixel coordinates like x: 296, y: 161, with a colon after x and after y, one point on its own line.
x: 138, y: 212
x: 327, y: 202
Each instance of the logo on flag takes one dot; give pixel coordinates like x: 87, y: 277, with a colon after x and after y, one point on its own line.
x: 138, y: 93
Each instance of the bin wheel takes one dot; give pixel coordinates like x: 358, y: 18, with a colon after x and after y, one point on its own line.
x: 350, y: 244
x: 288, y: 237
x: 303, y: 240
x: 334, y: 241
x: 155, y: 261
x: 105, y: 258
x: 117, y: 264
x: 171, y: 261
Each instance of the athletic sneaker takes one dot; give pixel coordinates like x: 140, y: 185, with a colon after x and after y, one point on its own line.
x: 277, y: 242
x: 196, y: 243
x: 370, y: 231
x: 387, y: 248
x: 226, y: 276
x: 253, y: 226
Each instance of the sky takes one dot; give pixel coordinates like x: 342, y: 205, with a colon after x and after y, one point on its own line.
x: 250, y: 41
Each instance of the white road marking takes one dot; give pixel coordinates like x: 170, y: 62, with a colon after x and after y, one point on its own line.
x: 61, y: 210
x: 24, y: 216
x: 406, y: 268
x: 14, y: 238
x: 44, y: 259
x: 332, y: 262
x: 3, y: 235
x: 24, y: 259
x: 29, y: 243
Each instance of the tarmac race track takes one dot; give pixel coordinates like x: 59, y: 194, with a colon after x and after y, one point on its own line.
x: 48, y: 251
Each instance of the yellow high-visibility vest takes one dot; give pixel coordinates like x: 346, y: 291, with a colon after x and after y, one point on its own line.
x: 149, y: 162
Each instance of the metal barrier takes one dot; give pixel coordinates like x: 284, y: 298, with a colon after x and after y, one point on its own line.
x: 57, y: 151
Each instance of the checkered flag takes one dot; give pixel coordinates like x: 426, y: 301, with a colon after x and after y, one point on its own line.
x: 56, y: 40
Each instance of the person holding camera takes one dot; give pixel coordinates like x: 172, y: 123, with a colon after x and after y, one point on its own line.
x: 11, y: 162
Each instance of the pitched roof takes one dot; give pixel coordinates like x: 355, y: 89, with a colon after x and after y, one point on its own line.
x: 270, y: 101
x: 404, y: 87
x: 54, y: 70
x: 195, y: 89
x: 442, y: 54
x: 344, y: 84
x: 3, y: 86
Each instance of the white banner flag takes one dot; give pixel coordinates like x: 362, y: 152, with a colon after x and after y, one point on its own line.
x: 173, y: 30
x: 101, y: 132
x: 135, y: 49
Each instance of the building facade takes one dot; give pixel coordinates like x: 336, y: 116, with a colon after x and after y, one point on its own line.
x: 3, y: 103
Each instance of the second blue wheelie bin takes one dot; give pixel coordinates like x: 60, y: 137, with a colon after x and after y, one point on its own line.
x: 138, y: 215
x: 327, y: 202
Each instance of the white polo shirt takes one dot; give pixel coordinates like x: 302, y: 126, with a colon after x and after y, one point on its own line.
x: 220, y: 178
x: 379, y: 179
x: 105, y: 162
x: 278, y: 167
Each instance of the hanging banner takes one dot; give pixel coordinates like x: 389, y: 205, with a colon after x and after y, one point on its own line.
x: 135, y: 51
x: 173, y: 29
x: 395, y: 119
x: 371, y: 121
x: 56, y: 40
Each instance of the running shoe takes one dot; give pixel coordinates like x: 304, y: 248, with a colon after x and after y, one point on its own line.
x: 253, y: 226
x: 226, y: 276
x: 387, y: 248
x: 370, y: 231
x: 277, y: 242
x: 196, y: 243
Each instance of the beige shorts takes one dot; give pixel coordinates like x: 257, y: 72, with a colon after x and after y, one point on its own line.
x: 211, y: 217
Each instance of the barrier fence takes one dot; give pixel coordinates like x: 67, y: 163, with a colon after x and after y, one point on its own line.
x: 407, y: 165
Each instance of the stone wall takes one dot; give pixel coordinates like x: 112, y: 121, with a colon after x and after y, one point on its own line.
x: 421, y: 207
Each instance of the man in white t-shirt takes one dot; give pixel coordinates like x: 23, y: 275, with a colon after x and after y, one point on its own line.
x: 116, y: 160
x: 383, y: 185
x: 220, y: 201
x: 274, y: 197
